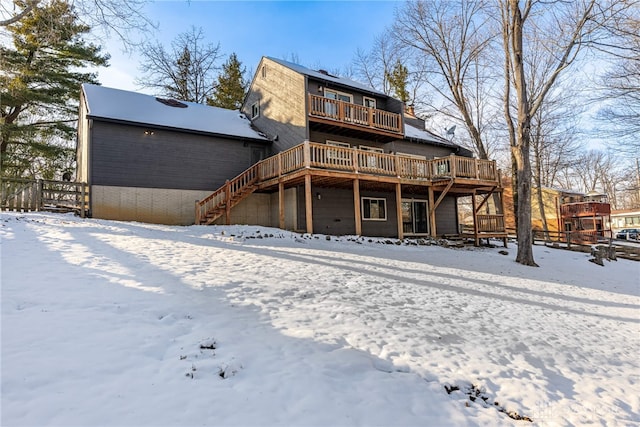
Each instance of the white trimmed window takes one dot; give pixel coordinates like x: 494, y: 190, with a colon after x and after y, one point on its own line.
x: 371, y: 149
x: 338, y: 155
x: 374, y: 209
x: 255, y: 110
x: 368, y: 102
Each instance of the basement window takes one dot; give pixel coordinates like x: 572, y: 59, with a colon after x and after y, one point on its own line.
x: 374, y: 209
x: 172, y: 103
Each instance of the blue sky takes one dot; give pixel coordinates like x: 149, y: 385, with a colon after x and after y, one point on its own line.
x: 319, y: 33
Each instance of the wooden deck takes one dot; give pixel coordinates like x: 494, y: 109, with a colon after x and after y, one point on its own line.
x: 340, y: 167
x: 346, y: 114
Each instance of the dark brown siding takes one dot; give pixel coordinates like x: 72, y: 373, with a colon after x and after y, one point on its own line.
x: 429, y: 151
x: 333, y: 213
x: 123, y: 155
x: 322, y: 138
x: 447, y: 216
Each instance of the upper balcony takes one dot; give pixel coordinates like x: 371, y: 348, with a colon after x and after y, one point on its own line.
x: 355, y: 117
x: 585, y: 209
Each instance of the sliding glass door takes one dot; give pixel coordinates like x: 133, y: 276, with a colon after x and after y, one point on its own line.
x: 415, y: 217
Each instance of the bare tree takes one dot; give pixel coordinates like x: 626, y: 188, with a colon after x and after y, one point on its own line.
x: 120, y: 17
x: 452, y: 38
x: 373, y: 66
x: 620, y: 116
x: 187, y: 71
x: 560, y: 29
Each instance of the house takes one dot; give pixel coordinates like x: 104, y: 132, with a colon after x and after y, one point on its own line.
x: 320, y: 154
x: 347, y: 159
x: 149, y: 159
x: 584, y: 216
x: 625, y: 218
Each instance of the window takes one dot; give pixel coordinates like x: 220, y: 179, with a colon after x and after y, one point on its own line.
x: 338, y: 156
x: 374, y: 209
x: 372, y: 149
x: 331, y: 107
x: 255, y: 110
x: 369, y: 102
x: 264, y: 71
x: 366, y: 160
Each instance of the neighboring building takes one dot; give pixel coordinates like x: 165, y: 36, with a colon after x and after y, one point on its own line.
x: 149, y: 159
x: 338, y: 158
x: 625, y: 218
x: 585, y: 215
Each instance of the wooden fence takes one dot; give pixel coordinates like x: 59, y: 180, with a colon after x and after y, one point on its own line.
x: 24, y: 195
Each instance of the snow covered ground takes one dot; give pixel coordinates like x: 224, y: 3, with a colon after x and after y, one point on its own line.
x: 128, y: 324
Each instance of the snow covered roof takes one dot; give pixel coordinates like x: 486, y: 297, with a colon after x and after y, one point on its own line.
x: 413, y: 132
x: 318, y: 75
x: 126, y: 106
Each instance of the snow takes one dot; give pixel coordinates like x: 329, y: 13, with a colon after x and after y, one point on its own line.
x: 424, y: 135
x: 119, y: 324
x: 132, y: 107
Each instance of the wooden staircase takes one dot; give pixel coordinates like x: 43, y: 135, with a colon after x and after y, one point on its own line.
x: 221, y: 201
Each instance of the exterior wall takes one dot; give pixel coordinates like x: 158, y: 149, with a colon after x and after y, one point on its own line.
x: 429, y: 151
x: 123, y: 155
x: 282, y: 97
x: 628, y: 218
x: 447, y: 216
x: 152, y: 205
x: 262, y: 209
x: 551, y: 203
x: 290, y: 209
x: 254, y: 210
x: 322, y: 137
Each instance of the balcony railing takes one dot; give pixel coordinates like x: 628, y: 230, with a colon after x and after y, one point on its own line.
x: 323, y: 156
x: 579, y: 209
x: 346, y: 112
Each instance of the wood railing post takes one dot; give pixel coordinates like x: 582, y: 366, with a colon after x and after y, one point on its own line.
x: 306, y: 154
x: 227, y: 201
x: 39, y: 195
x: 82, y: 201
x: 355, y: 160
x: 453, y: 166
x: 198, y: 212
x: 280, y: 164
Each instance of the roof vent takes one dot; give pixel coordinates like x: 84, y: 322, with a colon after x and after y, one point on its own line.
x: 172, y: 103
x: 325, y: 72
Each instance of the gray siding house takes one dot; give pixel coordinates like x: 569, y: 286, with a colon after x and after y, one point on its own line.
x: 308, y: 152
x: 149, y: 159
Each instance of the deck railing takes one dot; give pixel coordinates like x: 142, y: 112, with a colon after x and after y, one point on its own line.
x: 43, y: 195
x: 490, y: 223
x: 225, y: 194
x: 331, y: 157
x: 585, y: 209
x: 347, y: 112
x: 323, y: 156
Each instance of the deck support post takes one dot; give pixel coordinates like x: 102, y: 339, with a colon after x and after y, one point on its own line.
x: 356, y: 206
x: 281, y: 205
x: 432, y: 214
x: 399, y: 210
x: 476, y: 239
x: 504, y: 239
x: 308, y: 203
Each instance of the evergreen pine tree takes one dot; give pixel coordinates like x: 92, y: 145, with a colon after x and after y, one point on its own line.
x: 40, y: 78
x: 231, y: 88
x: 397, y: 79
